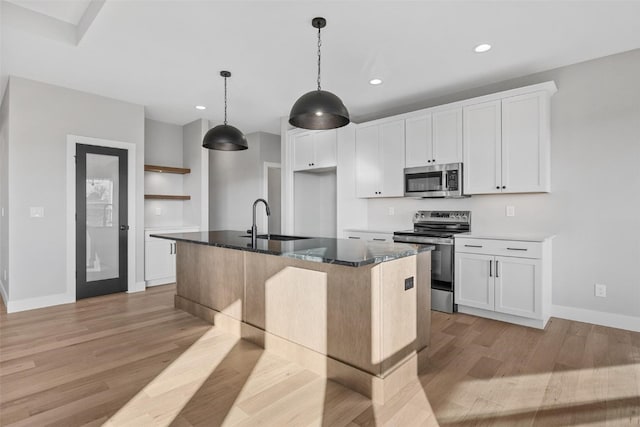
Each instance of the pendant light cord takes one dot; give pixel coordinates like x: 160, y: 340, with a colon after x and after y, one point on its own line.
x: 319, y: 45
x: 225, y: 101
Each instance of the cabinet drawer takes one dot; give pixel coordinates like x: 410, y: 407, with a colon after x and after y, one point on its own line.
x: 369, y: 236
x: 513, y: 248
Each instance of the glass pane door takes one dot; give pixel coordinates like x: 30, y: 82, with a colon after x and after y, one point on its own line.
x: 101, y: 230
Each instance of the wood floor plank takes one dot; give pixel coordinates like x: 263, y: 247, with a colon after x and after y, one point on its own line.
x: 132, y: 359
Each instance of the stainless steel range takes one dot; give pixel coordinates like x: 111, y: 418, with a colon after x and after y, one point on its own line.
x: 437, y: 228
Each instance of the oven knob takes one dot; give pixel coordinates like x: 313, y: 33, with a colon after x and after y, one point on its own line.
x: 421, y: 215
x: 417, y: 215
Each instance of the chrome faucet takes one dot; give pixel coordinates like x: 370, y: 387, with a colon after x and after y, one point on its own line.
x: 254, y: 228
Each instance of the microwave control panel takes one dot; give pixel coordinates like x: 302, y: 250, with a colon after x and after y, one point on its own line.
x: 452, y: 180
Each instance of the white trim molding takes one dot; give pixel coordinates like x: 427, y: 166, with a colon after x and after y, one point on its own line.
x: 72, y: 140
x: 612, y: 320
x: 4, y: 294
x: 39, y: 302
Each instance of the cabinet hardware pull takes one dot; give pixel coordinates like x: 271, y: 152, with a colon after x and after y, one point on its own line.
x: 379, y: 240
x: 497, y: 268
x: 517, y: 249
x: 504, y: 186
x: 354, y: 237
x: 490, y: 268
x: 473, y: 246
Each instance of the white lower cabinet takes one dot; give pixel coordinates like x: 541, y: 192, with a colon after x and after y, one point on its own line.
x: 160, y: 257
x: 515, y: 287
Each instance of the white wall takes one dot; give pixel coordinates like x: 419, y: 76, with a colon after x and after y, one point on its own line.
x: 314, y: 204
x: 594, y: 206
x: 4, y: 196
x: 236, y: 180
x: 41, y: 117
x: 163, y: 147
x: 196, y: 184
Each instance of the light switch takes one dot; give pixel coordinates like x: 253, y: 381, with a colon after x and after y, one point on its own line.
x: 37, y: 212
x: 511, y: 211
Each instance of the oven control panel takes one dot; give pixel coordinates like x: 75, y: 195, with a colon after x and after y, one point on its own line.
x: 463, y: 217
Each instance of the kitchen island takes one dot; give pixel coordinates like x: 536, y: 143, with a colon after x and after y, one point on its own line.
x: 356, y: 312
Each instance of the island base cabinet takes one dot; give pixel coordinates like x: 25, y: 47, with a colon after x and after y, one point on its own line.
x: 365, y: 327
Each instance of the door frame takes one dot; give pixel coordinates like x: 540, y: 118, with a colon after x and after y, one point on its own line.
x: 262, y: 219
x: 72, y: 140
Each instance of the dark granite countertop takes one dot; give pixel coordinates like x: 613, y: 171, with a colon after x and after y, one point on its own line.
x: 349, y: 252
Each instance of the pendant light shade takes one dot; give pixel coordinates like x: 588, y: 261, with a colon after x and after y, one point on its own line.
x: 225, y: 137
x: 319, y: 109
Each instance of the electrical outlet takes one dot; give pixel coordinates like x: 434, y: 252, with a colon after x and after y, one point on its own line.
x: 511, y: 211
x: 158, y: 211
x: 392, y: 211
x: 36, y: 212
x: 601, y: 290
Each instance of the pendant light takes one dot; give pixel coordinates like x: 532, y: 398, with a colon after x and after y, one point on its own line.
x: 319, y: 109
x: 225, y: 137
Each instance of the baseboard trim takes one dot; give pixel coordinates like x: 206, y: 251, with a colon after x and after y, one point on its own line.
x: 158, y: 282
x: 612, y: 320
x: 4, y: 294
x: 39, y: 302
x: 139, y: 287
x: 522, y: 321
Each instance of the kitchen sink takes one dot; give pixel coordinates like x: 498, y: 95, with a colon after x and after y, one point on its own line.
x: 280, y: 237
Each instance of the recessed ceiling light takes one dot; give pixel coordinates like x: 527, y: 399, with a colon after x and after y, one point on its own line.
x: 200, y: 107
x: 375, y: 82
x: 484, y: 47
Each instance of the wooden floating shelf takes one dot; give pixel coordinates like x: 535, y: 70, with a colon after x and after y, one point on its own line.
x: 165, y: 197
x: 166, y: 169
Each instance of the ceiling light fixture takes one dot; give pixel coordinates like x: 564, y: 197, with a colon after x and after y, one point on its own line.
x: 200, y: 107
x: 481, y: 48
x: 319, y: 109
x: 225, y: 137
x: 375, y: 82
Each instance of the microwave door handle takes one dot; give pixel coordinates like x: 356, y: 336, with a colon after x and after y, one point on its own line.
x: 445, y: 186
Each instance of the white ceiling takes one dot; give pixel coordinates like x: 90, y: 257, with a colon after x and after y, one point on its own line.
x: 166, y: 55
x: 69, y: 11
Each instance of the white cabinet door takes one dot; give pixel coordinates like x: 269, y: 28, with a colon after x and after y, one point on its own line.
x: 303, y: 151
x: 482, y: 148
x: 474, y: 281
x: 368, y: 173
x: 325, y: 149
x: 159, y: 260
x: 525, y: 144
x: 392, y: 159
x: 518, y: 286
x: 447, y: 136
x: 418, y: 147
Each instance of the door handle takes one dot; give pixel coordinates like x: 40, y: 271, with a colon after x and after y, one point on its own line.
x: 124, y: 228
x: 490, y: 268
x: 497, y: 268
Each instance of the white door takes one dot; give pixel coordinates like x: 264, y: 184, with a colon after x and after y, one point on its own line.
x: 303, y: 151
x: 474, y: 280
x: 518, y: 286
x: 447, y: 136
x: 392, y: 159
x: 482, y: 148
x: 525, y: 151
x: 368, y: 173
x: 417, y: 143
x: 325, y: 149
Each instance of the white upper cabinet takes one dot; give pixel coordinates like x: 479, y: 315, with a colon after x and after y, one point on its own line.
x: 418, y: 141
x: 525, y: 143
x: 447, y: 136
x: 314, y: 150
x: 482, y: 148
x: 507, y: 145
x: 380, y: 160
x: 434, y: 138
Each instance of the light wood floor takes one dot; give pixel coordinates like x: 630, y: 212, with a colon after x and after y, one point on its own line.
x: 135, y: 360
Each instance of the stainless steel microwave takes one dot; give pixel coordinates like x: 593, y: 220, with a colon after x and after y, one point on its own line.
x: 434, y: 181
